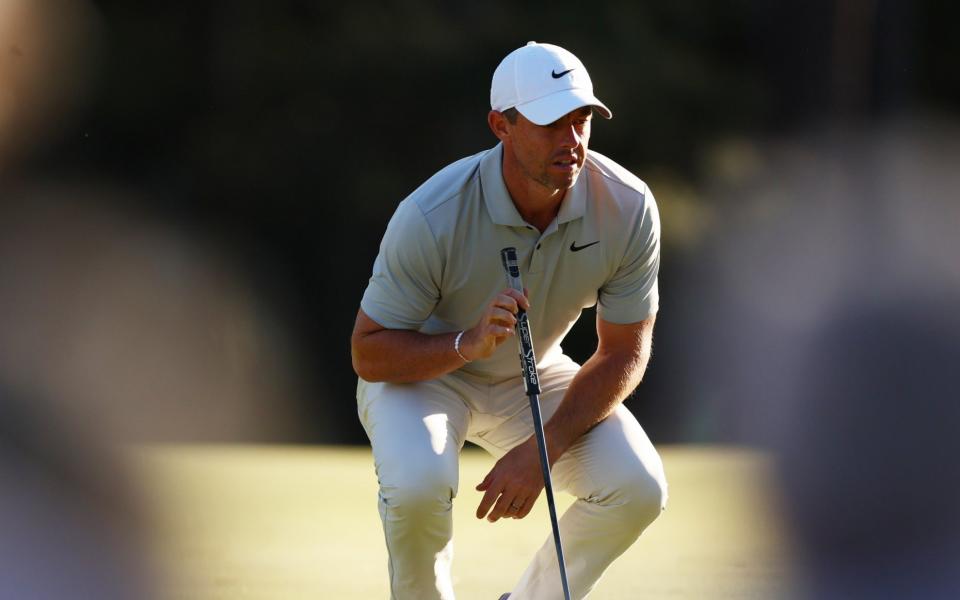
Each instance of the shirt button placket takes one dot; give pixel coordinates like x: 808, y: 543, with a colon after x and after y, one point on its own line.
x: 536, y: 258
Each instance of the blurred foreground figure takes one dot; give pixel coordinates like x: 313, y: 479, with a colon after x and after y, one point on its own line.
x: 840, y: 279
x: 70, y: 526
x: 114, y: 328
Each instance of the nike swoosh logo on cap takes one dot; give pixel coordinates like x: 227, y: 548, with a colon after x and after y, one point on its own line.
x: 556, y: 75
x: 575, y: 248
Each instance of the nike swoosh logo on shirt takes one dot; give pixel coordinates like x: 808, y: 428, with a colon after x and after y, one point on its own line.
x: 556, y: 75
x: 575, y: 248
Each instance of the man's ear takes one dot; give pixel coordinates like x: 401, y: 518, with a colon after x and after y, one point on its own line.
x: 498, y: 125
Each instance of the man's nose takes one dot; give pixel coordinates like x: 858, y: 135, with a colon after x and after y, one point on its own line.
x: 570, y: 138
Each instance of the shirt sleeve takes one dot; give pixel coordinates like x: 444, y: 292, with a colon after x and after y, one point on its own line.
x: 405, y: 285
x: 632, y: 294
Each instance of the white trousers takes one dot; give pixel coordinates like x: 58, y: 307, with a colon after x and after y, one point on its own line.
x: 417, y: 432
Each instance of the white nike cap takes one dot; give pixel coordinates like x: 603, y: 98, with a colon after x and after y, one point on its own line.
x: 543, y: 82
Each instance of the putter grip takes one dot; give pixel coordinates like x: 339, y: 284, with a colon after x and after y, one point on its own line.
x: 508, y: 256
x: 528, y: 359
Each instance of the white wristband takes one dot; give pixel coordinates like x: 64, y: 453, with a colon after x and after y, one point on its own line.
x: 456, y: 347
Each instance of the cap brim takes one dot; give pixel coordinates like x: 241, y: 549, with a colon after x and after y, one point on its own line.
x: 548, y: 109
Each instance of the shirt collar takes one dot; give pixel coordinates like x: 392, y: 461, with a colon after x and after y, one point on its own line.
x: 495, y: 195
x: 500, y: 204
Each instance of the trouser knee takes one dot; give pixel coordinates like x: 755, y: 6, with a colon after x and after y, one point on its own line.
x: 639, y: 500
x: 423, y: 495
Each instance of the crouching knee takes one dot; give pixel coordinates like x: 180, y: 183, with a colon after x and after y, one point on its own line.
x: 640, y: 499
x: 421, y: 495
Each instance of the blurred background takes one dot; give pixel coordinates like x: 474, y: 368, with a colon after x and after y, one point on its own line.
x: 234, y: 164
x: 192, y: 195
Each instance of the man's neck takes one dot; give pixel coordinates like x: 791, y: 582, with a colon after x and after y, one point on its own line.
x: 536, y: 203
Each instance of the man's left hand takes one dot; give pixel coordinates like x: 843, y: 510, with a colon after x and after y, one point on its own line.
x: 513, y: 484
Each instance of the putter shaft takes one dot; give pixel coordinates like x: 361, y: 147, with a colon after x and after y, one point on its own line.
x: 531, y: 382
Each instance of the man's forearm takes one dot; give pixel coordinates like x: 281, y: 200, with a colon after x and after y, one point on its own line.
x: 404, y: 356
x: 603, y: 382
x: 401, y: 356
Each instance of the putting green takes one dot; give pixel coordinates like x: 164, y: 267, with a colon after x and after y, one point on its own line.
x: 286, y: 522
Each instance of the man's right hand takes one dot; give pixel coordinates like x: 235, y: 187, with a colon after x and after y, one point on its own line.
x: 495, y: 325
x: 405, y: 356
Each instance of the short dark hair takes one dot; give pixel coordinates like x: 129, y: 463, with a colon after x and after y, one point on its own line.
x: 511, y: 115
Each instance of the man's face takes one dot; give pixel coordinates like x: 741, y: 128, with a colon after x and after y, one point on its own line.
x: 551, y: 155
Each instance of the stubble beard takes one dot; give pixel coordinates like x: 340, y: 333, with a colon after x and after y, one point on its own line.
x: 544, y: 178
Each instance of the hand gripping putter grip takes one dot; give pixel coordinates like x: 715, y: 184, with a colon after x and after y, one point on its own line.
x: 531, y: 382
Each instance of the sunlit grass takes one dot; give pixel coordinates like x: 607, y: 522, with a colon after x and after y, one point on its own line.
x: 301, y: 522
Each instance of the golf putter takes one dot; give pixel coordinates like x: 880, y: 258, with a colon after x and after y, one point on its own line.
x: 531, y: 382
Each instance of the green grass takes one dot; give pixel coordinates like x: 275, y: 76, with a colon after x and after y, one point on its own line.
x: 255, y: 522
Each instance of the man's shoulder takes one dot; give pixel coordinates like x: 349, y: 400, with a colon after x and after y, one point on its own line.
x: 619, y: 181
x: 447, y: 184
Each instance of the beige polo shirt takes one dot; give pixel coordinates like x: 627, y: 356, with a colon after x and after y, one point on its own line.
x: 439, y: 263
